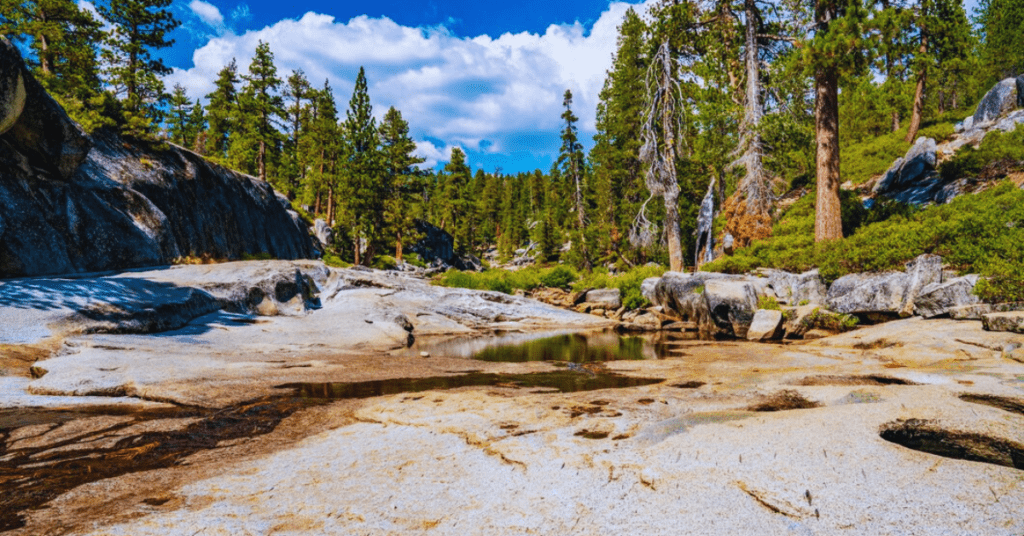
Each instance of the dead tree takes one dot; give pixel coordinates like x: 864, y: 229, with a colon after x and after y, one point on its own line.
x: 658, y: 153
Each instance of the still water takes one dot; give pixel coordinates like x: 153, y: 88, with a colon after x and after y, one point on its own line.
x: 564, y: 346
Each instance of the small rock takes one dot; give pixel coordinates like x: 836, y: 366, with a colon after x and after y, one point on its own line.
x: 765, y: 326
x: 1012, y: 321
x: 424, y: 354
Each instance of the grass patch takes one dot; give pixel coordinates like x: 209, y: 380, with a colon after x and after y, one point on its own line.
x: 335, y: 261
x: 559, y: 276
x: 869, y: 158
x: 769, y: 303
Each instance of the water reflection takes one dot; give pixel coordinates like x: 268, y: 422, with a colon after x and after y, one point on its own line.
x: 564, y: 381
x: 572, y: 347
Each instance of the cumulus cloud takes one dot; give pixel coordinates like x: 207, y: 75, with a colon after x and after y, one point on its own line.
x: 494, y: 94
x: 207, y: 13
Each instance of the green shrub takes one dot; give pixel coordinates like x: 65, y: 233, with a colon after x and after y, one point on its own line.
x: 384, y: 262
x: 335, y: 261
x: 262, y: 256
x: 769, y: 303
x: 415, y: 260
x: 560, y: 276
x: 819, y: 319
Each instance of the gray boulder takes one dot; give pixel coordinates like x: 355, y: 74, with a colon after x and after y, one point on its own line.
x: 1000, y: 99
x: 719, y: 304
x: 913, y: 170
x: 731, y: 305
x: 33, y: 124
x: 766, y: 325
x: 797, y: 322
x: 647, y: 288
x: 605, y: 298
x: 705, y: 228
x: 1020, y: 91
x: 793, y: 289
x: 888, y: 293
x: 1012, y: 321
x: 323, y: 232
x: 938, y: 298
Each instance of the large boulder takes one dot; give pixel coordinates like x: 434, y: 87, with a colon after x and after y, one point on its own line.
x: 323, y: 232
x: 605, y: 298
x: 887, y: 293
x: 938, y: 298
x: 33, y: 124
x: 766, y: 325
x: 1000, y: 99
x: 794, y: 289
x: 731, y: 305
x: 912, y: 179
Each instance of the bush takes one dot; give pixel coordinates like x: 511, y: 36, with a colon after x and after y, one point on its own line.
x: 819, y: 319
x: 769, y: 303
x: 384, y: 262
x: 560, y: 276
x: 335, y: 261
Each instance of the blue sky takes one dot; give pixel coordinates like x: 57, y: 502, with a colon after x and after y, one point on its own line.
x: 485, y: 76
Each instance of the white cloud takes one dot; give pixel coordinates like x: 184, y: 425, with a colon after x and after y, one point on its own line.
x: 432, y: 154
x: 497, y: 94
x: 207, y: 12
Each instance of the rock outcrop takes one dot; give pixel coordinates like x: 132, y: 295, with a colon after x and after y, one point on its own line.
x: 795, y: 289
x: 886, y: 293
x: 721, y: 305
x: 1000, y: 99
x: 766, y: 325
x: 939, y: 298
x: 71, y: 203
x: 914, y: 177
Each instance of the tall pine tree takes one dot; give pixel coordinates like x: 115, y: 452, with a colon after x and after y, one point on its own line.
x: 363, y: 188
x: 403, y: 181
x: 262, y: 108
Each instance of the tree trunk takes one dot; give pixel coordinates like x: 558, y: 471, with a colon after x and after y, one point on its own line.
x: 330, y: 206
x: 828, y: 223
x: 753, y: 186
x: 915, y: 117
x: 895, y: 121
x: 261, y: 158
x: 316, y: 204
x: 675, y: 243
x: 356, y: 256
x: 398, y: 247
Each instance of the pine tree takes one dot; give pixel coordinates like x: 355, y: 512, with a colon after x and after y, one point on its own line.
x: 454, y: 182
x: 618, y: 173
x: 194, y: 128
x: 403, y: 179
x: 1002, y: 38
x: 321, y: 147
x: 178, y: 116
x: 363, y: 188
x: 297, y: 93
x: 139, y: 28
x: 222, y: 112
x: 262, y: 108
x: 62, y: 40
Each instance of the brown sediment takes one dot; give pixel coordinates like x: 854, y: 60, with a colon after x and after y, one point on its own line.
x: 690, y: 385
x: 18, y: 359
x: 591, y: 434
x: 33, y: 475
x: 783, y: 400
x: 870, y: 379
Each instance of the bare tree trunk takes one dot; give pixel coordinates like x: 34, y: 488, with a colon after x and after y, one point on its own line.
x: 330, y: 206
x: 915, y: 117
x: 675, y: 242
x: 828, y: 223
x: 895, y: 120
x: 316, y: 204
x: 356, y: 257
x: 754, y: 187
x: 261, y: 160
x: 398, y: 247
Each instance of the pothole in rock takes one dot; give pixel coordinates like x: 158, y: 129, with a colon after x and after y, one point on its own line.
x: 927, y: 436
x: 870, y: 379
x: 786, y: 399
x: 1013, y: 405
x: 567, y: 381
x: 592, y: 434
